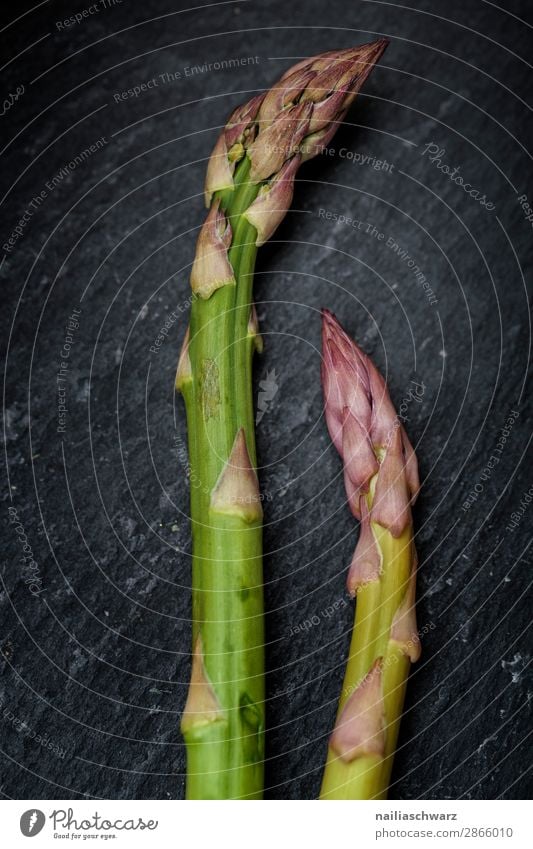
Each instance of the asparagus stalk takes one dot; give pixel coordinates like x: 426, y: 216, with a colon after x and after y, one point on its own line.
x: 381, y: 482
x: 249, y: 188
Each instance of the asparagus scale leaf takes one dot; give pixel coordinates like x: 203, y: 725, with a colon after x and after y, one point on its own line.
x: 248, y: 190
x: 381, y: 482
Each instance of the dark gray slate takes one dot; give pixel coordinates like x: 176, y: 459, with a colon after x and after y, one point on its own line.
x: 97, y: 662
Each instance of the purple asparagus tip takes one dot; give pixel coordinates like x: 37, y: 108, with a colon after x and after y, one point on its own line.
x: 368, y: 435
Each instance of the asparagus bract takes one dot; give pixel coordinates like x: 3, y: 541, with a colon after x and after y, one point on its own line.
x: 381, y: 482
x: 248, y: 190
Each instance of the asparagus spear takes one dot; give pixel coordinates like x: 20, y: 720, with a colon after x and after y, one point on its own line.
x: 381, y: 482
x: 249, y: 188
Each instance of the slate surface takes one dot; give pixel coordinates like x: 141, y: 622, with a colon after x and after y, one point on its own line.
x: 96, y: 652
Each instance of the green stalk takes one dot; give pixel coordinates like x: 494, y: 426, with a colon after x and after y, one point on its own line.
x: 367, y: 777
x: 225, y: 755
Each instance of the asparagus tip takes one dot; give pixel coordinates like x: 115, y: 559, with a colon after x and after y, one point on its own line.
x: 365, y: 429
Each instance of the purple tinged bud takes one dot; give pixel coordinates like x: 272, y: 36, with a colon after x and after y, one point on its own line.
x: 404, y: 630
x: 367, y: 559
x: 239, y: 130
x: 360, y: 727
x: 326, y: 82
x: 236, y: 492
x: 211, y: 268
x: 340, y: 77
x: 411, y: 467
x: 253, y: 329
x: 328, y: 111
x: 271, y: 205
x: 344, y: 379
x: 365, y: 54
x: 384, y: 419
x: 357, y: 453
x: 202, y: 705
x: 365, y: 57
x: 391, y: 503
x: 329, y: 92
x: 333, y: 398
x: 242, y: 122
x: 353, y: 494
x: 279, y: 141
x: 315, y: 143
x: 285, y: 92
x: 219, y: 170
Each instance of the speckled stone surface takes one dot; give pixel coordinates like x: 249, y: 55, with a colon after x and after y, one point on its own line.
x: 95, y: 623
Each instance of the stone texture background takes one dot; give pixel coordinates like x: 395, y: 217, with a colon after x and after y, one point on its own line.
x: 96, y: 663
